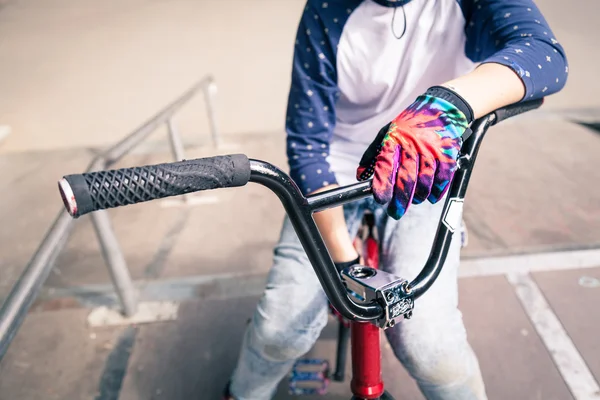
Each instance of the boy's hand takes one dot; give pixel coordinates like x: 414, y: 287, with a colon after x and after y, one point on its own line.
x: 413, y: 158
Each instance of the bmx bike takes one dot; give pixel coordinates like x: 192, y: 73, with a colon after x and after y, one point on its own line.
x: 370, y: 299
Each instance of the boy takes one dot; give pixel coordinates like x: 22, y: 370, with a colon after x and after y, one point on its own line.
x: 357, y: 64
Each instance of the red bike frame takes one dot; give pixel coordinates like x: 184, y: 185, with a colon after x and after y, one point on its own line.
x: 367, y: 381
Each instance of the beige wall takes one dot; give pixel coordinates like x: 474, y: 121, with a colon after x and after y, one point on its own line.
x: 86, y: 72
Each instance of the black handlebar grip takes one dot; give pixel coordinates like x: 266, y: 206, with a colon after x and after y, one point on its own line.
x: 516, y: 109
x: 84, y: 193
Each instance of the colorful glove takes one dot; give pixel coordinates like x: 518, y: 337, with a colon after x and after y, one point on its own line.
x: 413, y: 158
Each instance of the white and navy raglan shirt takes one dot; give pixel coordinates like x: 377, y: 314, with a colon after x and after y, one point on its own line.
x: 359, y: 63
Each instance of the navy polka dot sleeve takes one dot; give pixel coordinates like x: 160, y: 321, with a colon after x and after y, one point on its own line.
x: 311, y: 103
x: 514, y: 33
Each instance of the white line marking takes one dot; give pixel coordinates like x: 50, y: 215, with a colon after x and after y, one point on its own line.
x: 551, y: 261
x: 589, y: 282
x: 146, y: 312
x: 186, y: 287
x: 567, y: 359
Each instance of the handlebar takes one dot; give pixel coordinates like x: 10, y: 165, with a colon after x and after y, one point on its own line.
x: 84, y: 193
x: 516, y: 109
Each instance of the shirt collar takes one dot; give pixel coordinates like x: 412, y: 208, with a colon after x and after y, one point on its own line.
x: 391, y: 3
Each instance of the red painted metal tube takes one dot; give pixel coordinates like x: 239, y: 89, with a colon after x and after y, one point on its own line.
x: 366, y: 361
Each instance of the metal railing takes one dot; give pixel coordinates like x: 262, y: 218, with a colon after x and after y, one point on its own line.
x: 26, y: 289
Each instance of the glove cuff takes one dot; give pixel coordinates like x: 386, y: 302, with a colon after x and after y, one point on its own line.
x: 341, y: 265
x: 453, y: 98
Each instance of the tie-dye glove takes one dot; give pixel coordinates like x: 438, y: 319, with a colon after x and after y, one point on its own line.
x: 413, y: 158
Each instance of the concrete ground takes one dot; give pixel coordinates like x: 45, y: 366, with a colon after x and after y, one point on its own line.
x: 189, y: 254
x: 75, y: 78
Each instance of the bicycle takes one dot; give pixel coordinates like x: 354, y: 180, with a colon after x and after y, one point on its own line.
x: 370, y: 298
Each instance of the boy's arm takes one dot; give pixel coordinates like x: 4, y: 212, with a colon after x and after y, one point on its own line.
x: 311, y: 118
x: 332, y: 226
x: 521, y: 58
x: 488, y: 88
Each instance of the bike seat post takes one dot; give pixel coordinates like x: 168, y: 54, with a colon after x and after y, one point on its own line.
x: 367, y: 381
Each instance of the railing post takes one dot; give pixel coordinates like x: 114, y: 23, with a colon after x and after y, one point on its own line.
x: 176, y: 148
x: 175, y: 140
x: 210, y: 91
x: 14, y: 309
x: 117, y: 267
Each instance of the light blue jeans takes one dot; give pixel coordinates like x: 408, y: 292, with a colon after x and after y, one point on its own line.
x: 293, y: 310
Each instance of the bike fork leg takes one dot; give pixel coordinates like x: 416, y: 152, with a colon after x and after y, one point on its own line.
x: 342, y: 351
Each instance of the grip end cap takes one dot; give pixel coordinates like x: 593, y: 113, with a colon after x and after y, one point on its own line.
x: 76, y: 195
x: 68, y: 198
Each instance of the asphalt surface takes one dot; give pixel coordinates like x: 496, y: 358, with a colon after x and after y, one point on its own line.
x: 213, y: 258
